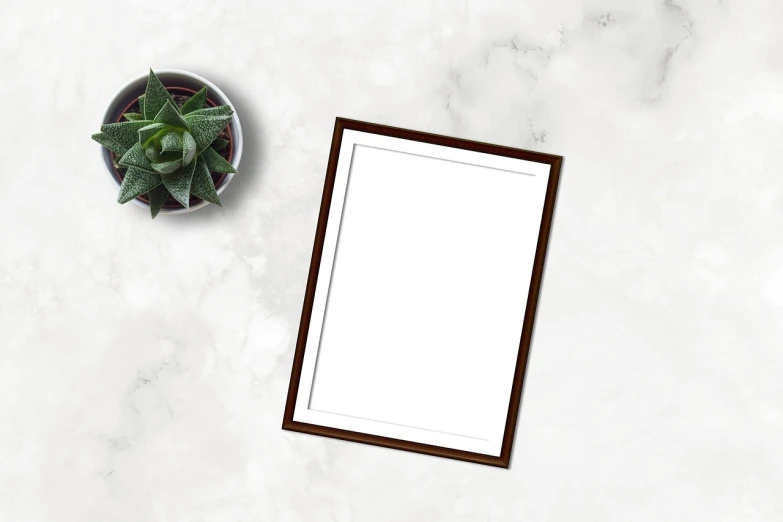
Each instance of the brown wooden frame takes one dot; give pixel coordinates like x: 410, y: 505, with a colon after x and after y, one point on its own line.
x: 555, y: 163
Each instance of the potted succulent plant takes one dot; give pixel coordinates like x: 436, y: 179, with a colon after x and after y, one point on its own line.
x: 171, y: 141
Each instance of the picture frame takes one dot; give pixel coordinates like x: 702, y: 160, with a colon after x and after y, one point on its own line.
x: 421, y: 296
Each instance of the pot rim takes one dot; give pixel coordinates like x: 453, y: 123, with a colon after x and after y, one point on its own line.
x: 215, y: 93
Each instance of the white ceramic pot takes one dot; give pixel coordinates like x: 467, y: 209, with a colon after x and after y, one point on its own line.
x: 184, y: 80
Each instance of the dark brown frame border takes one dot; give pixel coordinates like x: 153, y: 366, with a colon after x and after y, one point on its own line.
x: 555, y: 162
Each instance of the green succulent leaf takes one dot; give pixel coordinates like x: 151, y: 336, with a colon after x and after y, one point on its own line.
x: 133, y: 116
x: 141, y: 104
x: 148, y: 132
x: 155, y: 97
x: 158, y: 197
x: 202, y: 185
x: 125, y: 133
x: 170, y: 115
x: 109, y: 143
x: 167, y: 167
x: 206, y: 128
x: 135, y: 157
x: 171, y: 141
x: 221, y: 110
x: 188, y: 148
x: 219, y: 144
x: 136, y: 183
x: 195, y: 102
x: 215, y: 162
x: 179, y: 183
x: 152, y: 154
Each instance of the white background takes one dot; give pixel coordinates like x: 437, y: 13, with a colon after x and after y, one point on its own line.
x: 422, y: 291
x: 145, y: 364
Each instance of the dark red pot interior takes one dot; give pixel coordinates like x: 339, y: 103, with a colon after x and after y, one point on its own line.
x: 218, y: 179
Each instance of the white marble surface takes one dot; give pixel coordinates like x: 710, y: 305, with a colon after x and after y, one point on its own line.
x: 145, y: 364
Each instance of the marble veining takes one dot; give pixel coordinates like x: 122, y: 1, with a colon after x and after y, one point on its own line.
x: 145, y: 364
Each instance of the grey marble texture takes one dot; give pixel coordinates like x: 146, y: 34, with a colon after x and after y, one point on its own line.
x: 144, y: 364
